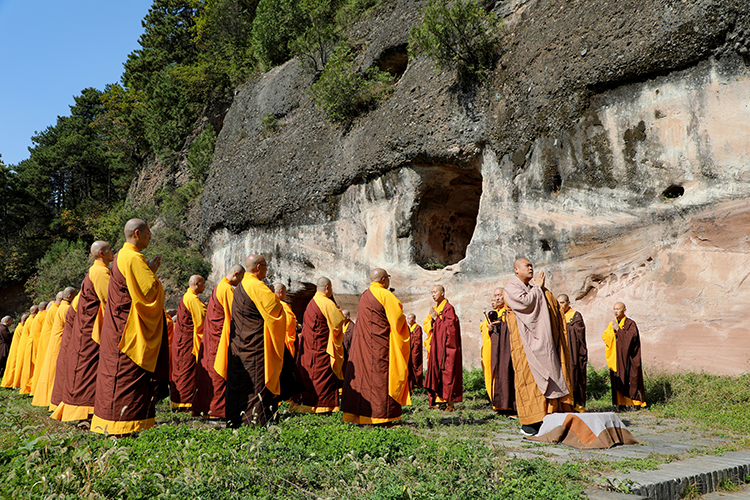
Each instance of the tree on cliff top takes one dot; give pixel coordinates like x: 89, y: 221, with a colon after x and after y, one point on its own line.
x: 461, y: 36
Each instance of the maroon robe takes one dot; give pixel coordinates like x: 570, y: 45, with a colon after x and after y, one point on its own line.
x: 628, y: 380
x: 59, y: 387
x: 82, y: 353
x: 5, y: 340
x: 182, y: 380
x: 445, y: 370
x: 125, y: 391
x: 501, y: 363
x: 416, y: 367
x: 210, y: 387
x: 365, y: 390
x: 578, y: 358
x: 321, y: 386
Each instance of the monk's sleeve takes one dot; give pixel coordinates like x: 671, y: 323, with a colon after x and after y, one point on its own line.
x: 610, y: 347
x: 225, y: 295
x: 274, y: 330
x: 291, y: 327
x: 198, y: 312
x: 427, y: 329
x: 399, y: 350
x: 142, y: 337
x: 99, y: 276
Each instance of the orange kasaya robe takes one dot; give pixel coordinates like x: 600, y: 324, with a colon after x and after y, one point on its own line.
x: 43, y: 343
x: 48, y: 367
x: 291, y: 328
x: 22, y: 343
x: 10, y: 367
x: 376, y: 382
x: 32, y: 346
x: 134, y: 348
x: 320, y: 357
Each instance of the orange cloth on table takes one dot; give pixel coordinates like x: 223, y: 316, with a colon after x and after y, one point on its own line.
x: 32, y: 346
x: 49, y: 365
x: 291, y: 327
x: 10, y: 368
x: 43, y: 343
x: 22, y: 343
x: 225, y: 296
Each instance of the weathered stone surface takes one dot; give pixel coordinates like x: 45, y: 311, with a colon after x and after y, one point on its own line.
x: 624, y: 173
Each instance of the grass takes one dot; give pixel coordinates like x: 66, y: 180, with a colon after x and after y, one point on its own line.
x: 432, y: 455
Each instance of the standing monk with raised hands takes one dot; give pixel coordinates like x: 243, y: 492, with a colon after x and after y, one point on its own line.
x: 539, y: 348
x: 211, y: 369
x: 134, y: 349
x: 188, y: 334
x: 376, y: 380
x: 256, y: 349
x: 444, y: 378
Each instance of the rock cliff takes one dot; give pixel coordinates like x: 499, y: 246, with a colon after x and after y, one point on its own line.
x: 610, y: 145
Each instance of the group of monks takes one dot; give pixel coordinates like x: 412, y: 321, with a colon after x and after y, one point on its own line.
x: 109, y: 352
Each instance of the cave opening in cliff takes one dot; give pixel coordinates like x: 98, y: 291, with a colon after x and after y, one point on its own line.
x: 446, y: 215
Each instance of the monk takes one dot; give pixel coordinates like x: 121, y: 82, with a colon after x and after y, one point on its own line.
x: 134, y: 348
x: 210, y: 396
x: 27, y: 360
x: 348, y: 329
x: 320, y: 355
x: 191, y: 315
x: 82, y: 353
x: 539, y: 348
x: 416, y: 370
x: 496, y: 358
x: 444, y: 378
x: 623, y: 354
x: 578, y: 354
x: 6, y: 338
x: 10, y: 367
x: 256, y: 349
x: 44, y: 339
x: 43, y: 394
x: 279, y: 289
x: 376, y: 382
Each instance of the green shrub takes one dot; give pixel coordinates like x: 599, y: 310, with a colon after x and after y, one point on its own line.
x: 343, y: 93
x: 461, y: 36
x: 201, y: 154
x: 65, y: 264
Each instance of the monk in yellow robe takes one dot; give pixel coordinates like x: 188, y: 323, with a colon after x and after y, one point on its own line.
x: 539, y: 348
x: 376, y: 382
x: 256, y: 349
x: 279, y: 289
x: 48, y: 370
x: 10, y: 368
x: 134, y: 346
x: 444, y: 377
x: 82, y: 353
x: 320, y: 355
x: 623, y: 355
x: 32, y: 335
x: 210, y: 396
x: 44, y: 339
x: 6, y: 339
x: 188, y: 335
x: 579, y: 353
x: 497, y: 364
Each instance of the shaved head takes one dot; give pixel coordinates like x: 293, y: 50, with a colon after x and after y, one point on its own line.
x: 34, y: 309
x: 97, y: 247
x: 278, y: 287
x: 134, y: 225
x: 256, y: 264
x: 69, y: 293
x: 619, y: 310
x: 235, y: 274
x: 411, y: 317
x: 196, y: 278
x: 564, y: 297
x: 438, y: 293
x: 523, y: 269
x: 197, y: 283
x: 322, y: 283
x: 7, y: 320
x: 346, y: 313
x: 43, y: 305
x: 59, y: 296
x: 378, y: 274
x: 24, y: 317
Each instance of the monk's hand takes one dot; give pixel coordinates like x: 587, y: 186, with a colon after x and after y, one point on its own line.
x: 154, y: 263
x: 540, y: 279
x: 433, y: 313
x: 616, y: 325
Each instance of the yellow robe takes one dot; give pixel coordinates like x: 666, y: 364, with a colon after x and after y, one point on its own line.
x: 22, y: 343
x: 225, y: 296
x: 10, y: 368
x: 49, y: 365
x: 43, y: 342
x: 486, y: 354
x: 32, y: 344
x: 610, y: 354
x: 291, y: 327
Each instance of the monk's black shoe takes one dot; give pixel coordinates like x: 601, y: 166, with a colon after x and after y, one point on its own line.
x: 530, y: 430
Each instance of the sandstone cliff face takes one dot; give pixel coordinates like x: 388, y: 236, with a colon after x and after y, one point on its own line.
x: 611, y: 146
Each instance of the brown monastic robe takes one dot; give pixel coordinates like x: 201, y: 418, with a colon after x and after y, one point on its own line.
x: 444, y: 379
x: 58, y: 388
x: 628, y: 380
x: 346, y: 342
x: 503, y: 381
x: 579, y: 355
x: 416, y: 368
x: 182, y: 361
x: 5, y: 341
x: 210, y: 387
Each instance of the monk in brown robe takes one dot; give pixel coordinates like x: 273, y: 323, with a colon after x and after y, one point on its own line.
x: 320, y: 355
x: 348, y: 330
x: 82, y: 350
x: 210, y: 396
x: 376, y: 380
x: 416, y: 369
x: 134, y: 349
x: 579, y: 353
x: 502, y: 391
x: 256, y: 349
x: 188, y: 335
x: 623, y: 354
x: 539, y: 348
x: 6, y: 338
x: 10, y: 367
x: 444, y: 378
x: 61, y: 326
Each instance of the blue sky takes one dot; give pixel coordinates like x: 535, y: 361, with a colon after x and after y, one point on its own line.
x: 49, y: 52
